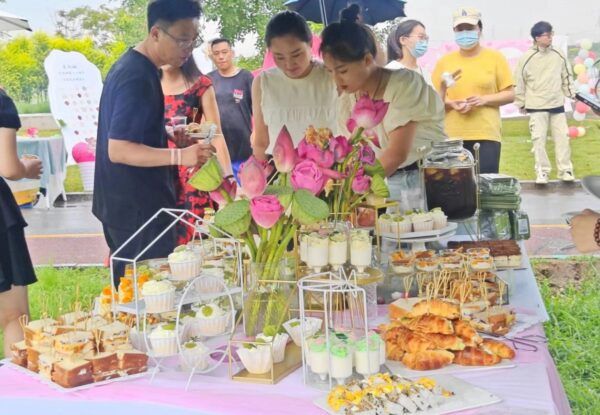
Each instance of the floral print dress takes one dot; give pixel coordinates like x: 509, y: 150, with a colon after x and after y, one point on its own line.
x: 187, y: 196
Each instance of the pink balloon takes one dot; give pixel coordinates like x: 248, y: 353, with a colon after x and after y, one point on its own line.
x: 578, y: 60
x: 582, y: 78
x: 573, y: 132
x: 82, y: 153
x: 581, y: 107
x: 592, y: 55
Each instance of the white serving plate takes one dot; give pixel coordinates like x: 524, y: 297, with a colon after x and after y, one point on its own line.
x: 466, y: 396
x: 399, y: 369
x: 56, y: 386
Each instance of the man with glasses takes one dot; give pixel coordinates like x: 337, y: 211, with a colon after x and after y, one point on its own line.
x: 133, y: 177
x: 544, y: 79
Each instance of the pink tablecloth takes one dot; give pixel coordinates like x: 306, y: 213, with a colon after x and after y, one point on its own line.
x: 533, y: 385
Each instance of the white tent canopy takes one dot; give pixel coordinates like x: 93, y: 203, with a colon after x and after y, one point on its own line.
x: 9, y: 22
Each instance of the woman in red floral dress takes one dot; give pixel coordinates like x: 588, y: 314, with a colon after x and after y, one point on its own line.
x: 189, y: 93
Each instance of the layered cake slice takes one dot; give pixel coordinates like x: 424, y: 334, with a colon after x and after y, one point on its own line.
x: 132, y: 361
x: 72, y: 372
x: 19, y: 353
x: 105, y: 366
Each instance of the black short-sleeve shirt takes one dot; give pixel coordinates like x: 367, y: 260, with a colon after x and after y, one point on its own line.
x: 131, y: 109
x: 10, y: 215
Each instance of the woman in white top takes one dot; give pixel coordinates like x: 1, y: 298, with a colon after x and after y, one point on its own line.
x: 297, y: 93
x: 407, y: 42
x: 415, y: 115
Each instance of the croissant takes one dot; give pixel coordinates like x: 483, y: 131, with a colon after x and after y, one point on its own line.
x: 407, y: 340
x: 445, y: 341
x: 465, y: 331
x: 393, y: 351
x: 498, y: 348
x: 429, y: 324
x: 436, y: 307
x: 472, y: 356
x: 428, y: 359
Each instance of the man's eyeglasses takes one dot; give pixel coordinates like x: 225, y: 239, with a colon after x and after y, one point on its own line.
x: 183, y: 43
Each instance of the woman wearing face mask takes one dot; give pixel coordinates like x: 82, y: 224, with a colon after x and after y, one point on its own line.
x: 415, y: 114
x: 472, y: 104
x: 407, y: 43
x: 297, y: 93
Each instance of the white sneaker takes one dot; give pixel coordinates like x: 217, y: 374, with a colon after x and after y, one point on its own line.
x: 542, y: 178
x: 567, y: 176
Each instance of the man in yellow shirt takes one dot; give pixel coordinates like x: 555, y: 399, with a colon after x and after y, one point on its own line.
x: 473, y: 102
x: 544, y: 79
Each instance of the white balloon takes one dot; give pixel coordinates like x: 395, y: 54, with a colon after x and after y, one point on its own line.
x: 583, y: 54
x: 578, y: 116
x: 588, y: 62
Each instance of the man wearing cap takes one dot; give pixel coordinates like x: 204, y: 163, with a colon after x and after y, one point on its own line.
x: 544, y: 79
x: 485, y: 83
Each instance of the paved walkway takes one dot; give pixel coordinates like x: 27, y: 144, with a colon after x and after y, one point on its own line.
x: 72, y: 235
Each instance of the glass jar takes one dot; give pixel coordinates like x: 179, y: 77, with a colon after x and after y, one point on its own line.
x: 450, y: 182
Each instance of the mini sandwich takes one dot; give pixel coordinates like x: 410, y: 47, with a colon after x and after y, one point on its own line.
x: 104, y: 366
x: 33, y: 354
x: 46, y: 363
x: 70, y: 373
x: 132, y: 361
x: 36, y: 332
x: 113, y: 335
x: 74, y: 342
x: 19, y: 353
x: 496, y: 320
x: 94, y: 322
x: 73, y: 318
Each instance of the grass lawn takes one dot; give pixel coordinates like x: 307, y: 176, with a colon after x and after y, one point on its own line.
x: 517, y: 159
x: 574, y: 338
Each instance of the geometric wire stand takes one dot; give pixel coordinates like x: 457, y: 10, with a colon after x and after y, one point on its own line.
x: 192, y: 295
x: 202, y: 232
x: 344, y: 310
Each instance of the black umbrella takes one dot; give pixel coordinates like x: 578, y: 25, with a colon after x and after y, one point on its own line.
x: 326, y: 11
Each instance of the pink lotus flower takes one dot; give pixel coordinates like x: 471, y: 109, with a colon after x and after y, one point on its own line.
x: 253, y: 178
x: 307, y: 175
x: 367, y: 113
x: 340, y: 147
x: 333, y: 174
x: 367, y: 155
x: 284, y: 154
x: 266, y: 210
x: 372, y: 137
x: 361, y: 184
x: 324, y: 158
x: 229, y: 186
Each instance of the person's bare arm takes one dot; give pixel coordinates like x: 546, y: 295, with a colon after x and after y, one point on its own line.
x: 261, y: 132
x: 400, y: 144
x: 140, y: 155
x: 506, y: 96
x: 211, y: 114
x: 10, y: 166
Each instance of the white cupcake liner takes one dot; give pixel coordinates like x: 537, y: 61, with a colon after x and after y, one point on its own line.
x: 385, y: 226
x: 404, y: 227
x: 160, y: 303
x: 279, y: 343
x: 163, y: 347
x: 213, y: 326
x: 440, y: 222
x: 185, y: 270
x: 257, y: 360
x: 311, y: 326
x: 426, y: 225
x: 137, y: 340
x: 210, y: 284
x: 194, y: 358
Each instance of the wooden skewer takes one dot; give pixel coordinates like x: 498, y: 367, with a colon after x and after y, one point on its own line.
x: 23, y: 321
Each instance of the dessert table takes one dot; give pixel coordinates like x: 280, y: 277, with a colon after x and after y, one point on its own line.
x: 53, y: 153
x: 532, y: 387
